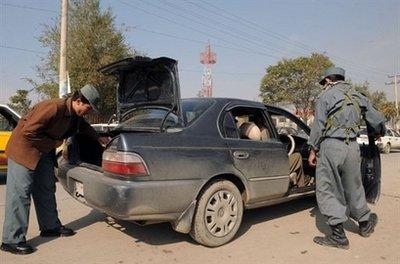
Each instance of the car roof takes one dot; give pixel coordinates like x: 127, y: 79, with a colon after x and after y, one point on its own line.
x: 225, y: 100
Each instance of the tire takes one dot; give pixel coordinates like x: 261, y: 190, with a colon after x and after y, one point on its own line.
x: 218, y: 214
x: 387, y: 148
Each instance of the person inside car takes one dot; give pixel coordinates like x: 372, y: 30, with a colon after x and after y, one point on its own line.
x: 250, y: 130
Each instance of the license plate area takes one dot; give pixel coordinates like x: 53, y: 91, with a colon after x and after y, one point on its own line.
x: 78, y: 191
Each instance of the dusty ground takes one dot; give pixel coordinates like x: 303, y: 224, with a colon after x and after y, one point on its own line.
x: 277, y: 234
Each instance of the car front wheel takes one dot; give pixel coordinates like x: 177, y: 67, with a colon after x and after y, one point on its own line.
x: 218, y: 214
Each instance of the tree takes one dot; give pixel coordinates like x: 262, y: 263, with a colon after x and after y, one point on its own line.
x: 93, y: 41
x: 20, y: 102
x: 295, y: 81
x: 378, y: 98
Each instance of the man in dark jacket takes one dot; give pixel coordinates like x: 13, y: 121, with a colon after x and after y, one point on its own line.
x: 335, y: 151
x: 31, y: 162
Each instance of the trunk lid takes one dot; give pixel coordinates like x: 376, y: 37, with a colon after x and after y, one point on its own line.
x: 144, y: 82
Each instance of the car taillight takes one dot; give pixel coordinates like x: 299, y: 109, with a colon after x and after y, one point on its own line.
x: 124, y: 163
x: 3, y: 160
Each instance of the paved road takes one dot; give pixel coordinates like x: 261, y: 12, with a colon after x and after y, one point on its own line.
x: 277, y: 234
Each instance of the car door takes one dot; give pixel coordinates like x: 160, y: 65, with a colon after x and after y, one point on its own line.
x: 264, y: 162
x: 8, y: 121
x: 390, y: 138
x: 396, y: 139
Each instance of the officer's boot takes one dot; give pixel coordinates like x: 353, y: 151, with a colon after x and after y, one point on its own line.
x: 367, y: 227
x: 336, y: 239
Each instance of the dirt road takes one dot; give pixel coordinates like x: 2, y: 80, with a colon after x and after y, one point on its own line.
x: 277, y: 234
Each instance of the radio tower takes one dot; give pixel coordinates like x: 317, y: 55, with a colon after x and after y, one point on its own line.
x: 208, y: 58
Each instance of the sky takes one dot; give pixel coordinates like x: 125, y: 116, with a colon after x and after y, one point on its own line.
x: 248, y: 36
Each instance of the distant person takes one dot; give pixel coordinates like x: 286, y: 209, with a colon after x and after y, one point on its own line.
x: 338, y: 115
x: 31, y: 161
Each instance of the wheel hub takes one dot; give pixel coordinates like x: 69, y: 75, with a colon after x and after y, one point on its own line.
x: 221, y: 213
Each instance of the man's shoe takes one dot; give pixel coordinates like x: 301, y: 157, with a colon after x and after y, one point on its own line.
x: 329, y: 241
x: 367, y: 227
x: 21, y: 248
x: 57, y: 232
x: 337, y: 239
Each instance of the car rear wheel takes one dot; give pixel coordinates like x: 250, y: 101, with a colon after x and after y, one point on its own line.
x: 218, y: 214
x: 387, y: 148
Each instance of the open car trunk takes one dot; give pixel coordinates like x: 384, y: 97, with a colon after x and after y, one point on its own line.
x: 82, y: 149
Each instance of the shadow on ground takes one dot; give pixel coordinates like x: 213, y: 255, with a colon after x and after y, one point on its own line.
x: 161, y: 234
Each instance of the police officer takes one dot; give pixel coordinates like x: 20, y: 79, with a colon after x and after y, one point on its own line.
x: 31, y: 161
x: 336, y: 155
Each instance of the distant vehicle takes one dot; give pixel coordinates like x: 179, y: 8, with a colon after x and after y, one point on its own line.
x: 183, y: 161
x: 391, y: 140
x: 8, y: 121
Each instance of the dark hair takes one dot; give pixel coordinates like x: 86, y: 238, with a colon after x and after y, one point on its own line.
x: 78, y: 95
x: 336, y: 77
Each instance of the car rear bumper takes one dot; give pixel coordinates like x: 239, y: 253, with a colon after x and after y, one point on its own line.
x: 129, y: 200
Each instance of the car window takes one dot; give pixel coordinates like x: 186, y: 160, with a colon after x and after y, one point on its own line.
x: 149, y: 118
x: 286, y: 126
x: 192, y: 109
x: 235, y: 120
x: 152, y: 118
x: 5, y: 123
x: 229, y: 126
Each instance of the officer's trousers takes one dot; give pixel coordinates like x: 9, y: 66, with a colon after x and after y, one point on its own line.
x: 339, y: 186
x: 21, y: 184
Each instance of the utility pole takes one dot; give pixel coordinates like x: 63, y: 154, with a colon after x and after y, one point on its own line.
x: 395, y: 82
x: 63, y: 74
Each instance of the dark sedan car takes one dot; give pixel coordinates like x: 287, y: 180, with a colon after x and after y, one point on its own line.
x: 183, y: 161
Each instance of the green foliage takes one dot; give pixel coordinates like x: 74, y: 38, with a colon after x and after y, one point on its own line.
x: 20, y: 102
x: 295, y: 81
x: 377, y: 98
x: 388, y: 109
x: 93, y: 41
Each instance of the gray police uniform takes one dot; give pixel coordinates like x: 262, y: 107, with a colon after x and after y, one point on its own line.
x: 333, y: 135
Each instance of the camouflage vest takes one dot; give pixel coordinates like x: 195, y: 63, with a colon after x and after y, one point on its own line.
x: 349, y: 105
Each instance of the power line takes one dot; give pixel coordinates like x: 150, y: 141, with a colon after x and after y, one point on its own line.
x: 22, y: 49
x: 186, y: 26
x: 254, y: 26
x: 204, y: 33
x: 193, y: 21
x: 201, y: 42
x: 251, y: 24
x: 28, y: 7
x: 240, y: 34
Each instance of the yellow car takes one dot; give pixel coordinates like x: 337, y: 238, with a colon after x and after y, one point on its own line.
x: 8, y: 120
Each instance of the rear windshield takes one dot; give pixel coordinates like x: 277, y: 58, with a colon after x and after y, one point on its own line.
x: 152, y: 118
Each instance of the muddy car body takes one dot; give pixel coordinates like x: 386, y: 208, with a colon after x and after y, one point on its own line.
x: 183, y: 161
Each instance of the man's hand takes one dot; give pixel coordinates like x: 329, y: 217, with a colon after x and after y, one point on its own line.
x: 312, y: 158
x: 104, y: 141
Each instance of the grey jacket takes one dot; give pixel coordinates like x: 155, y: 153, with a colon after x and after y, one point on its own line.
x: 331, y: 101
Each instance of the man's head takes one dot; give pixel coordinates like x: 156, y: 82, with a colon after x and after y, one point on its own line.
x: 332, y: 74
x: 86, y: 99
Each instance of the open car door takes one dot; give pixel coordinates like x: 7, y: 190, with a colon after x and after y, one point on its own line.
x: 371, y: 169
